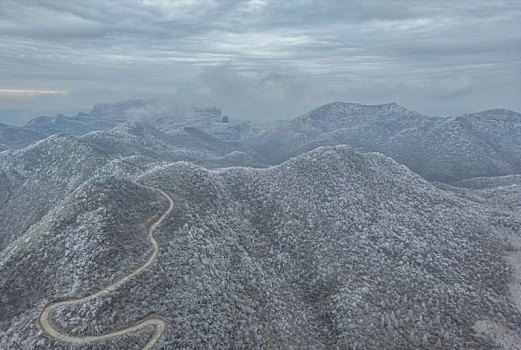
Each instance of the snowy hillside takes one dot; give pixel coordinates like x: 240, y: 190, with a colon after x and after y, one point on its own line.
x: 188, y: 144
x: 330, y: 248
x: 15, y: 137
x: 92, y: 237
x: 438, y: 148
x: 35, y: 179
x: 78, y: 125
x: 323, y: 251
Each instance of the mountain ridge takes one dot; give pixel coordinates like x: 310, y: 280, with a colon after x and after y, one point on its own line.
x: 480, y: 144
x: 485, y: 143
x: 323, y: 250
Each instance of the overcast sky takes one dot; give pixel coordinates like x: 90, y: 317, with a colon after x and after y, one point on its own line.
x: 262, y: 60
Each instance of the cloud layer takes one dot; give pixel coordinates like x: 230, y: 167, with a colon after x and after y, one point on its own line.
x: 263, y: 59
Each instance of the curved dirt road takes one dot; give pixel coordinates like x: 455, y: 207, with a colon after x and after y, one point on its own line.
x: 158, y: 324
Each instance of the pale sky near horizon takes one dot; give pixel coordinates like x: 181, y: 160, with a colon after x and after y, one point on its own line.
x: 261, y: 60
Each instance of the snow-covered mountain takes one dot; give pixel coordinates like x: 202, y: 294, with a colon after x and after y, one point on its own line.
x: 439, y: 148
x: 78, y: 125
x: 35, y: 179
x: 323, y: 251
x: 189, y: 144
x: 16, y: 137
x: 326, y: 248
x: 500, y: 191
x: 444, y: 149
x: 91, y: 237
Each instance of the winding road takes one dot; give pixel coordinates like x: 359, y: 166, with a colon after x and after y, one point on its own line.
x: 159, y: 325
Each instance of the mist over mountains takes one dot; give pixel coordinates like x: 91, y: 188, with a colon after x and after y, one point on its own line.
x: 349, y: 227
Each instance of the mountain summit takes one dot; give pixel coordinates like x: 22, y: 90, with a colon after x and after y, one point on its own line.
x: 439, y: 148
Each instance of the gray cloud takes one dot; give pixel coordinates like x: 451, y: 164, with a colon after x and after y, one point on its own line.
x: 263, y: 59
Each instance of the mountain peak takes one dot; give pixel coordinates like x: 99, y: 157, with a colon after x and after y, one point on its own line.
x: 497, y: 112
x: 491, y: 114
x: 132, y: 128
x: 360, y: 105
x: 343, y: 110
x: 130, y: 125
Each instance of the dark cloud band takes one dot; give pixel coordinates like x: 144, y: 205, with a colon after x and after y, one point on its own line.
x: 266, y: 58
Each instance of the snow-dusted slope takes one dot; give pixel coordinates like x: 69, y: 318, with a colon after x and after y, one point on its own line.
x: 439, y: 148
x: 490, y: 182
x: 481, y: 144
x: 93, y: 237
x: 35, y: 179
x: 362, y: 126
x: 332, y: 249
x: 78, y: 125
x: 15, y: 137
x: 501, y: 191
x: 189, y: 144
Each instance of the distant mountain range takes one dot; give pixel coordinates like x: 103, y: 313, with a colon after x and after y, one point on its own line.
x: 443, y: 149
x: 189, y: 144
x: 16, y: 137
x: 438, y: 148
